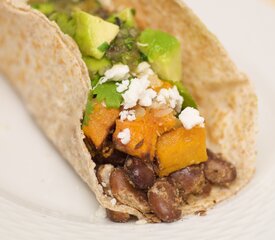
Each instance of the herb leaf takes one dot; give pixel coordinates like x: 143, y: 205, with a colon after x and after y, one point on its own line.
x: 103, y: 47
x: 107, y: 92
x: 184, y: 92
x: 89, y: 109
x: 95, y: 80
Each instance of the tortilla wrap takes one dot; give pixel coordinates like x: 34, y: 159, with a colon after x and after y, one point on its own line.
x: 45, y: 67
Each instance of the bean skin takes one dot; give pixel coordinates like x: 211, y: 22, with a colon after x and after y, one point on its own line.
x: 124, y: 191
x: 164, y: 201
x: 189, y: 180
x: 141, y: 174
x: 119, y: 217
x: 219, y: 171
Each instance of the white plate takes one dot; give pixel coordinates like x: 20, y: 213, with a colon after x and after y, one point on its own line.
x: 42, y: 198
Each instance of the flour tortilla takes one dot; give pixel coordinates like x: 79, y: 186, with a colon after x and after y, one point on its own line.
x: 45, y: 67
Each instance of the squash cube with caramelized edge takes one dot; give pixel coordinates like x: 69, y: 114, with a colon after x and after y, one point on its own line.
x: 101, y: 121
x: 143, y: 138
x: 181, y: 148
x: 144, y: 133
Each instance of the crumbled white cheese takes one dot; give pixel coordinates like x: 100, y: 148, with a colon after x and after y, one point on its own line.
x: 123, y: 86
x: 135, y: 90
x: 100, y: 212
x: 116, y: 73
x: 143, y: 69
x: 190, y: 117
x: 171, y: 97
x: 113, y: 201
x: 146, y: 98
x: 141, y: 222
x: 129, y: 115
x: 124, y: 136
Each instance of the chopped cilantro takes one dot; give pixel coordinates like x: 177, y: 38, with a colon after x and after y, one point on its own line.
x: 133, y: 11
x: 107, y: 92
x: 184, y: 92
x: 89, y: 109
x: 95, y: 80
x: 103, y: 47
x: 66, y: 22
x: 45, y: 8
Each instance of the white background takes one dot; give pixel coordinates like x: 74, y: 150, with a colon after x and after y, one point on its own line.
x: 42, y: 198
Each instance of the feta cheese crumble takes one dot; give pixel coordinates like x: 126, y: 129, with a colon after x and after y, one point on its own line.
x: 124, y: 136
x: 190, y: 117
x: 116, y: 73
x: 146, y: 98
x: 135, y: 91
x: 170, y: 97
x: 113, y: 201
x: 143, y: 69
x: 123, y: 86
x: 127, y: 115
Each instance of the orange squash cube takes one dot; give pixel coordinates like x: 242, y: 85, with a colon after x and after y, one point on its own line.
x: 143, y: 138
x: 181, y: 148
x: 100, y: 122
x: 144, y: 133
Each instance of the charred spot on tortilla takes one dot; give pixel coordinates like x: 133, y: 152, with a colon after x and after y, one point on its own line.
x: 144, y: 130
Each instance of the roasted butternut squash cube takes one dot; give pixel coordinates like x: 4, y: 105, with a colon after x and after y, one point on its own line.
x: 100, y: 122
x: 181, y: 148
x: 165, y: 123
x: 144, y: 132
x: 143, y: 138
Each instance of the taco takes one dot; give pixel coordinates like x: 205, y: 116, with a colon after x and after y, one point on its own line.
x: 138, y: 96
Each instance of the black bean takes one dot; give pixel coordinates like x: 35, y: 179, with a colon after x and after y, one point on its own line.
x: 141, y: 173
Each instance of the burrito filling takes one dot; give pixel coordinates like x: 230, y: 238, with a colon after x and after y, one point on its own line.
x: 141, y: 125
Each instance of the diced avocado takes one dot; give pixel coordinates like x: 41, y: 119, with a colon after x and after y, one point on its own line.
x: 184, y: 92
x: 96, y: 66
x: 127, y: 16
x: 163, y: 52
x: 46, y: 8
x: 93, y: 33
x: 65, y: 22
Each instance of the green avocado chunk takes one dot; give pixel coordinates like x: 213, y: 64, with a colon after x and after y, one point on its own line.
x: 65, y: 22
x: 127, y: 16
x: 163, y: 52
x: 93, y: 34
x: 96, y: 66
x: 46, y: 8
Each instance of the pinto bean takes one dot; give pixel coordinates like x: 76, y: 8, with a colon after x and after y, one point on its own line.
x: 119, y: 217
x: 164, y: 201
x: 189, y: 180
x: 124, y: 191
x: 141, y: 173
x: 219, y: 171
